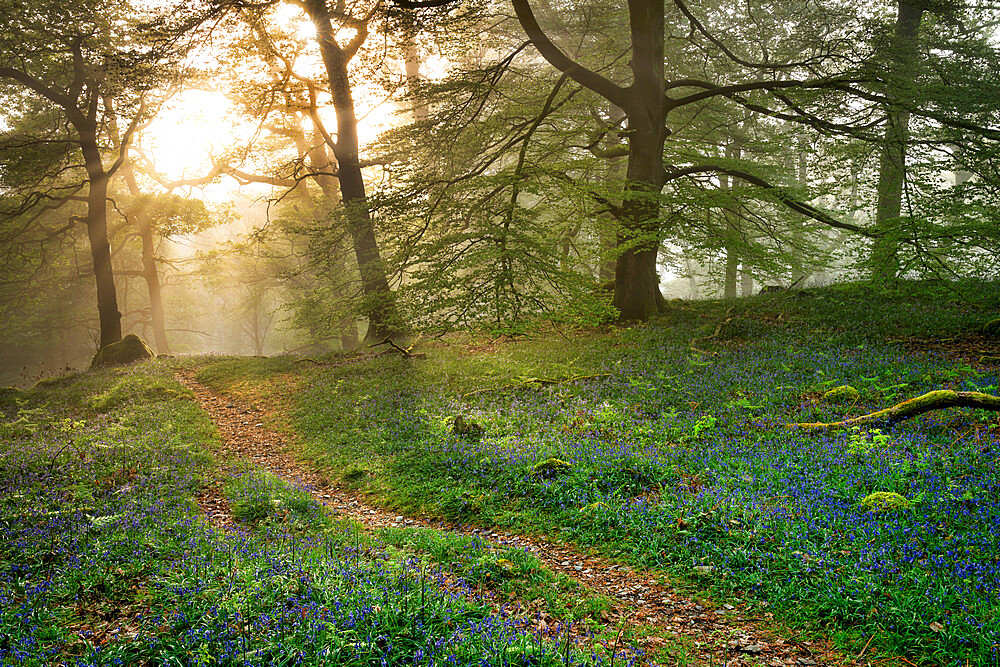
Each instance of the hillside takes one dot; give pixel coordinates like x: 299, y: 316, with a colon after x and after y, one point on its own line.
x: 646, y: 485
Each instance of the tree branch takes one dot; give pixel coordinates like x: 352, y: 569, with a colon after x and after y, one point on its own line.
x: 791, y: 202
x: 932, y: 400
x: 585, y: 77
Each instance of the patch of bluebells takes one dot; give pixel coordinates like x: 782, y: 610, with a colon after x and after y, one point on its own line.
x: 104, y: 561
x: 680, y: 460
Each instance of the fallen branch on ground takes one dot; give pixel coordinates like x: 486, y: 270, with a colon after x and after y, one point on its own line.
x: 534, y: 382
x: 932, y: 400
x: 407, y: 351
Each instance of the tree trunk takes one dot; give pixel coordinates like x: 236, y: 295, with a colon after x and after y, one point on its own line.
x: 731, y: 219
x: 379, y: 303
x: 411, y: 64
x: 149, y: 271
x: 152, y: 278
x: 637, y: 289
x: 892, y: 162
x: 746, y: 282
x: 97, y: 233
x: 799, y: 274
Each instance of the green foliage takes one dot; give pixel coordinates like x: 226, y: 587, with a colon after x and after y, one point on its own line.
x: 258, y: 497
x: 101, y: 529
x: 675, y: 460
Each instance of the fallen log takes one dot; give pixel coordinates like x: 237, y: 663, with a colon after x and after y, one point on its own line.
x: 932, y: 400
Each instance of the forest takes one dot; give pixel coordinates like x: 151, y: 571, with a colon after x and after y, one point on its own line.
x: 500, y: 332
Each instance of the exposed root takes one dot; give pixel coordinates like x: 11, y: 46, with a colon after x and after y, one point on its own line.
x: 932, y: 400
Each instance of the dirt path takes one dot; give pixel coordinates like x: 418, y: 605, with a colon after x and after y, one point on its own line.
x: 725, y: 635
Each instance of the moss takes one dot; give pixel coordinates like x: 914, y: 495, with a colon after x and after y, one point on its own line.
x: 992, y: 328
x: 128, y: 350
x: 9, y: 396
x: 56, y: 381
x: 354, y: 475
x: 466, y: 427
x: 842, y: 394
x: 550, y: 467
x: 138, y: 388
x: 885, y: 501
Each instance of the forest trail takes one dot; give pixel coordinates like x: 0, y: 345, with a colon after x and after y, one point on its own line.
x: 725, y: 635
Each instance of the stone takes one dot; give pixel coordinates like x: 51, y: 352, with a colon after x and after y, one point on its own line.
x: 128, y: 350
x: 842, y: 394
x: 550, y: 467
x: 465, y: 427
x: 992, y: 328
x: 704, y: 570
x: 885, y: 501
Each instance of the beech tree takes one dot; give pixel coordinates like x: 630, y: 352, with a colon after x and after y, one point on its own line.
x: 62, y: 61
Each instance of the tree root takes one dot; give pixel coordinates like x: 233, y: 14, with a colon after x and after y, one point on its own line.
x: 932, y: 400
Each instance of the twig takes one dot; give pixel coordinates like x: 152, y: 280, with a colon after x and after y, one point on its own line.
x: 866, y: 647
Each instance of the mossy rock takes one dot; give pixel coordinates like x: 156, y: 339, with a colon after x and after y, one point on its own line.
x: 354, y: 475
x: 466, y: 427
x: 842, y: 394
x: 550, y: 467
x: 992, y: 328
x: 9, y: 396
x: 885, y: 501
x: 128, y: 350
x: 56, y: 381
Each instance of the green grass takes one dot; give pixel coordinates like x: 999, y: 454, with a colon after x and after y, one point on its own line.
x: 679, y: 458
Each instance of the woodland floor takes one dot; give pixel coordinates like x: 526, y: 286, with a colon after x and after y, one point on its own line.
x: 716, y: 632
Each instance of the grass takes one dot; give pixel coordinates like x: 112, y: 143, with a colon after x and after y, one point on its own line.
x: 105, y: 560
x: 679, y: 459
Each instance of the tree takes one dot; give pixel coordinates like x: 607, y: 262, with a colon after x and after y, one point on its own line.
x: 64, y: 61
x: 380, y: 306
x: 902, y: 59
x: 647, y: 101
